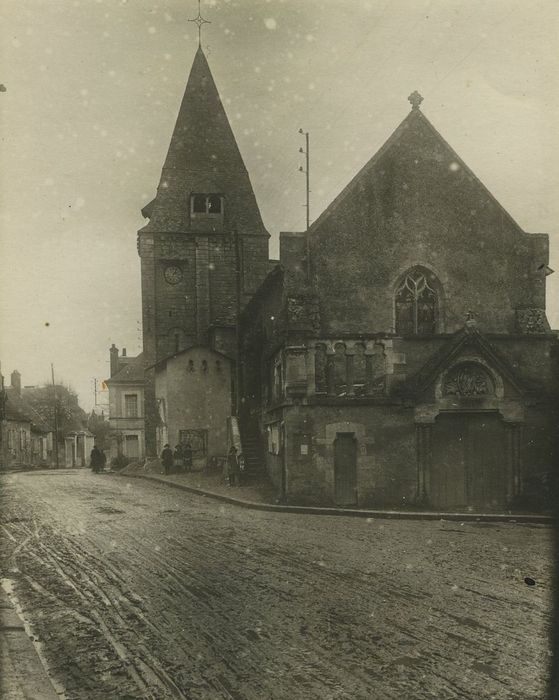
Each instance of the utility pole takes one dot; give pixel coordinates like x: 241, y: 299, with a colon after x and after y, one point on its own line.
x: 238, y: 290
x: 55, y: 441
x: 306, y: 170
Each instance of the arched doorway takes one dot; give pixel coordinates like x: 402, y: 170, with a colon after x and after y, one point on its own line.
x: 468, y: 462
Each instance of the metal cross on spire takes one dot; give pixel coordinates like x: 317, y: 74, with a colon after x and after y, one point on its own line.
x: 199, y: 21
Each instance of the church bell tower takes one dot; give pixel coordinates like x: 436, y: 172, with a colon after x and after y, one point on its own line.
x: 204, y: 252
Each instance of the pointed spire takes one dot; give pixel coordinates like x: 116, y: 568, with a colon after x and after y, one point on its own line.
x: 203, y: 157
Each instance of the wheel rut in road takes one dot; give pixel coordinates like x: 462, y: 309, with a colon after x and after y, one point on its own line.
x: 137, y: 591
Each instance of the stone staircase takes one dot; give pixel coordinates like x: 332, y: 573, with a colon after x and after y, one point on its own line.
x: 252, y: 452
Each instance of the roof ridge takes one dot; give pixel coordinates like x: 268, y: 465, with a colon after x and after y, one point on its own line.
x: 415, y: 115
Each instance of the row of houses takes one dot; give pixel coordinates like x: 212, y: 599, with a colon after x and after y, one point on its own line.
x: 27, y: 439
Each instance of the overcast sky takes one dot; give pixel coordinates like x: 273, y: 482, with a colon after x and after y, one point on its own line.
x: 93, y: 90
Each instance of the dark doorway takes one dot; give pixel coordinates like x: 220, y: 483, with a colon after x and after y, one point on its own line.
x: 469, y: 462
x: 345, y: 469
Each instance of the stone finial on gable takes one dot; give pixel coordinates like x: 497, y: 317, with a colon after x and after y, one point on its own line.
x: 471, y: 322
x: 415, y: 99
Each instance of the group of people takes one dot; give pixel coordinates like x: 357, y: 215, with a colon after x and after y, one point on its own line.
x: 98, y: 459
x: 179, y: 460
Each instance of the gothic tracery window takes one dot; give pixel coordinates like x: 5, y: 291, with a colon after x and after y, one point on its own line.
x: 417, y: 304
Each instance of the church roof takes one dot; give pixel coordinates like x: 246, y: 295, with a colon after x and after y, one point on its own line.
x: 413, y: 127
x: 203, y: 157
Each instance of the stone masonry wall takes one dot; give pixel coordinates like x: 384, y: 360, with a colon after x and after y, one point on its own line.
x: 386, y: 458
x: 197, y: 389
x: 419, y: 206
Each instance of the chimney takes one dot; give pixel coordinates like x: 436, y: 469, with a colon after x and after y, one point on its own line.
x: 123, y: 352
x: 114, y: 359
x: 15, y: 381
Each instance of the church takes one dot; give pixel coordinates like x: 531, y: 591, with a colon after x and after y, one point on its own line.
x: 397, y: 355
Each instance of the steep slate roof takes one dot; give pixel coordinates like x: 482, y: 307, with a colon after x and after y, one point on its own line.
x: 203, y: 157
x: 131, y: 373
x: 17, y: 409
x: 416, y: 122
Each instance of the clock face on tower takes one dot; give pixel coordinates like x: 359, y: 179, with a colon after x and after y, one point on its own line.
x: 173, y: 274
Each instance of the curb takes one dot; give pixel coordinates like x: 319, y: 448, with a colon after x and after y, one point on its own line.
x: 23, y: 673
x: 353, y: 512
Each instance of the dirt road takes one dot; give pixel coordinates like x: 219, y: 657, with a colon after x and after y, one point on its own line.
x: 136, y: 590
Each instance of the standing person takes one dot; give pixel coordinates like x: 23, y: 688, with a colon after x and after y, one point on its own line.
x: 103, y: 460
x: 178, y: 458
x: 187, y: 456
x: 167, y: 459
x: 96, y: 459
x: 233, y: 467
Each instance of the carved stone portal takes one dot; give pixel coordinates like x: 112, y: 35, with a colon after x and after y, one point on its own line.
x: 468, y: 380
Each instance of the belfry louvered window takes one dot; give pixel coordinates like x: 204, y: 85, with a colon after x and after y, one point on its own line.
x: 206, y: 204
x: 417, y: 304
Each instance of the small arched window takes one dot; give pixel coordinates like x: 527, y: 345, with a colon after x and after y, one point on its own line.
x: 417, y: 303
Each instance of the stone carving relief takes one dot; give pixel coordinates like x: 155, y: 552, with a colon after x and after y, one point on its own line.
x: 468, y: 380
x: 296, y: 308
x: 303, y: 311
x: 531, y: 321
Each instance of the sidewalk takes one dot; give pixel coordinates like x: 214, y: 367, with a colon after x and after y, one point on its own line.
x: 211, y: 484
x: 260, y: 495
x: 23, y: 676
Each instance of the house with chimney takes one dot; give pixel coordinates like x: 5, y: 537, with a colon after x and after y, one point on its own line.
x: 26, y: 439
x: 126, y: 405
